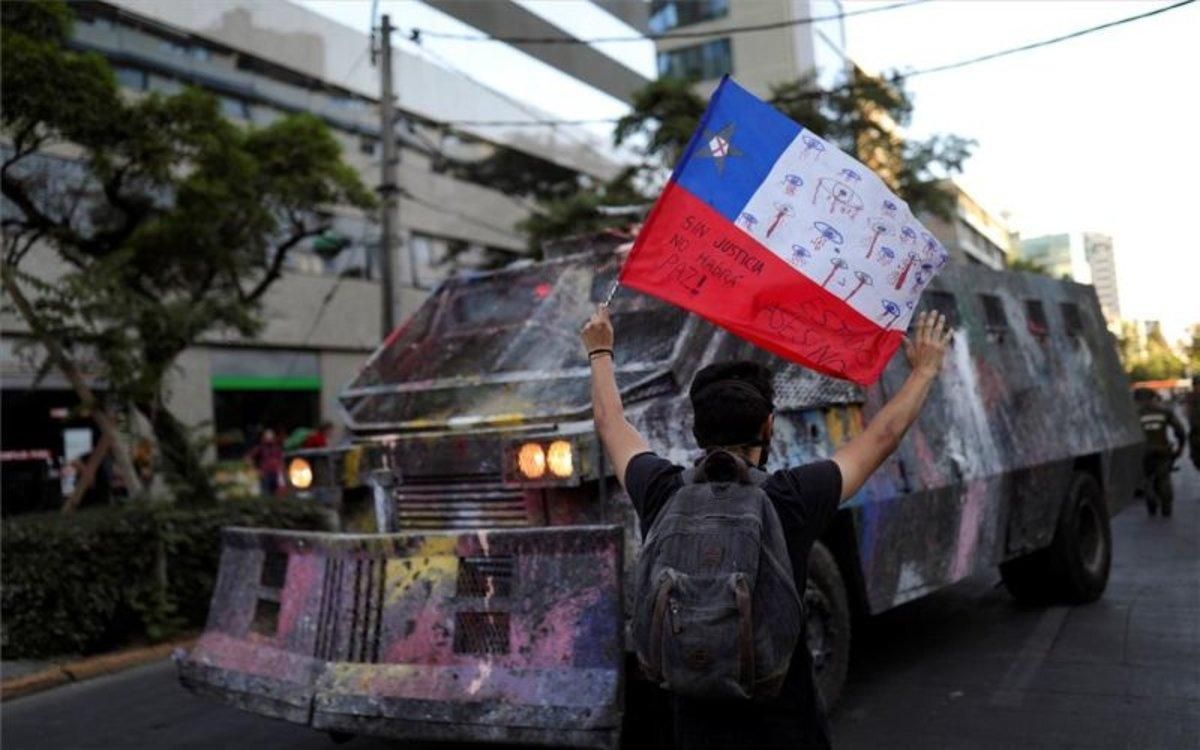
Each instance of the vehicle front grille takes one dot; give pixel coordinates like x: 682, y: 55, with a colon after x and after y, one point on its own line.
x: 459, y: 506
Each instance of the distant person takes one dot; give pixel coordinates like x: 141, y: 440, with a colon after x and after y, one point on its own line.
x: 319, y: 438
x: 1160, y: 456
x: 759, y: 694
x: 1194, y: 421
x: 267, y: 458
x: 143, y: 461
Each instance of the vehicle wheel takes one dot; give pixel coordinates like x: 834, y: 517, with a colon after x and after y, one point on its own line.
x: 1027, y: 577
x: 1081, y: 554
x: 828, y: 623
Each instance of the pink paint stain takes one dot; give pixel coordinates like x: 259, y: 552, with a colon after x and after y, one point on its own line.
x: 968, y: 530
x: 301, y: 592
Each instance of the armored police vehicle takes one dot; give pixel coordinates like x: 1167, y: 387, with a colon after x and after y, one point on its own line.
x: 479, y: 592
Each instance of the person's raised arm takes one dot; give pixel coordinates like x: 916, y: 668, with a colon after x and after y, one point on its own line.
x: 860, y: 457
x: 621, y: 442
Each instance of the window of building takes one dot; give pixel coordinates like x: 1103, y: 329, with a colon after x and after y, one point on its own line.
x: 234, y: 107
x: 164, y: 85
x: 367, y: 145
x: 995, y: 320
x: 1072, y: 319
x: 671, y: 14
x: 700, y: 62
x: 429, y: 255
x: 131, y: 78
x: 1035, y: 318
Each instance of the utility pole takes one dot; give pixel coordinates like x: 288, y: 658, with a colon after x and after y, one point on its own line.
x: 388, y: 187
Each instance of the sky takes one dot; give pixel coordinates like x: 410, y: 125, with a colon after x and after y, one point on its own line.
x: 1092, y: 134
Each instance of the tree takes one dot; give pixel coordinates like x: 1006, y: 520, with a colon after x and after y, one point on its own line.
x: 170, y: 223
x: 862, y: 116
x: 1156, y: 361
x: 1191, y: 349
x: 1016, y: 263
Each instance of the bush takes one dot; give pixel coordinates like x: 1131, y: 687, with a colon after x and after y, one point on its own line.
x: 101, y: 578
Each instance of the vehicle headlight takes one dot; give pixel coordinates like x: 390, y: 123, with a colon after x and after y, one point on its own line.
x: 531, y: 460
x: 300, y: 473
x: 560, y: 458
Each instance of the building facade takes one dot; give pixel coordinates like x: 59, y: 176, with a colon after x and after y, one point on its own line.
x: 972, y: 234
x: 1059, y: 255
x: 1086, y: 257
x: 1098, y: 249
x: 263, y: 60
x: 757, y: 59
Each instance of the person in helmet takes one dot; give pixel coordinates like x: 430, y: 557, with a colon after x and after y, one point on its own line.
x: 1157, y: 419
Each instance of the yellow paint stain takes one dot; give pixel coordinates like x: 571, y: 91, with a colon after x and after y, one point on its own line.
x: 506, y: 418
x: 856, y: 419
x: 350, y: 464
x: 435, y: 562
x: 835, y: 427
x: 417, y: 424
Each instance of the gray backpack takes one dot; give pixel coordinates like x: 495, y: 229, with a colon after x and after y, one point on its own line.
x: 717, y: 613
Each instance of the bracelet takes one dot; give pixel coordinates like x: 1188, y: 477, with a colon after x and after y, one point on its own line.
x: 594, y: 352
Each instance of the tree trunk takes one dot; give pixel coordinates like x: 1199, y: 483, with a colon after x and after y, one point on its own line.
x: 184, y: 469
x: 104, y: 420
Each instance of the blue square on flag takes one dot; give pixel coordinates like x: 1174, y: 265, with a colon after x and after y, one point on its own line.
x: 776, y: 235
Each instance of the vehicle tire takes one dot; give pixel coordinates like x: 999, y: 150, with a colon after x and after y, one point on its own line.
x: 1027, y: 577
x: 1081, y: 554
x: 827, y: 611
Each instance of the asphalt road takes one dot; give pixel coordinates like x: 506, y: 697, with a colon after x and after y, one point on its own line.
x: 965, y: 667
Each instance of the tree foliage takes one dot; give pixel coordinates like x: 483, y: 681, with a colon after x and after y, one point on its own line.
x: 1151, y: 358
x: 1016, y: 263
x: 862, y: 115
x: 170, y: 222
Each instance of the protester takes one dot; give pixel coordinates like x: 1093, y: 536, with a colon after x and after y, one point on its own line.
x: 733, y: 405
x: 318, y: 438
x: 1160, y: 456
x: 142, y: 458
x: 1194, y: 421
x: 267, y: 458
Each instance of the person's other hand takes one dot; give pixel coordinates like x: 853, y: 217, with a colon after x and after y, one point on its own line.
x: 927, y: 346
x: 598, y: 332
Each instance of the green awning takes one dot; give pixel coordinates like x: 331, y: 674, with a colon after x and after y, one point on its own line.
x: 266, y: 383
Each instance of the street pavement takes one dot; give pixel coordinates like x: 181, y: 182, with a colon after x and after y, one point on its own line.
x: 965, y: 667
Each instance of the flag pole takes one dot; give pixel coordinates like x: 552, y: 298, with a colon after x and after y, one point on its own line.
x: 612, y: 291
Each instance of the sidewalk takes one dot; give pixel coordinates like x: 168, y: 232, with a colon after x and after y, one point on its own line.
x: 25, y: 677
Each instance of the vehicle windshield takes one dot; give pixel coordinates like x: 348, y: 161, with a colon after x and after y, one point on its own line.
x: 507, y: 343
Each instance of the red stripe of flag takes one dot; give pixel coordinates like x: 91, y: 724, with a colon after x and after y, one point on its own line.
x: 689, y: 255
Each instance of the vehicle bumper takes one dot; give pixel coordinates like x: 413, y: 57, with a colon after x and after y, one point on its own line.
x: 499, y: 636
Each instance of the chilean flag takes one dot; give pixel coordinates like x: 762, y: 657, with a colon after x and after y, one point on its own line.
x: 774, y: 234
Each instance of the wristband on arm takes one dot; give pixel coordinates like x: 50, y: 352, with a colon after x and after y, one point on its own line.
x: 592, y: 354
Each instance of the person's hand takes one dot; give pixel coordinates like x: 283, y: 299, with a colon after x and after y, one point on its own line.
x: 927, y: 346
x: 598, y: 332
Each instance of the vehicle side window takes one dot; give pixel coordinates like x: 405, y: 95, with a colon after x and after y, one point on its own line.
x: 1035, y: 319
x: 995, y: 320
x: 943, y: 302
x: 1072, y: 319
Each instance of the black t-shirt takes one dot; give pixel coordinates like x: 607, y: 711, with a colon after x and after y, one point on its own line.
x: 805, y: 498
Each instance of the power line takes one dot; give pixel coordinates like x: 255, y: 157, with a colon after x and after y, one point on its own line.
x: 902, y: 76
x: 418, y: 33
x: 519, y: 123
x: 1046, y: 42
x: 447, y: 64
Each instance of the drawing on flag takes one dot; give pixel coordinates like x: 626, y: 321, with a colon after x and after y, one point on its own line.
x: 781, y: 238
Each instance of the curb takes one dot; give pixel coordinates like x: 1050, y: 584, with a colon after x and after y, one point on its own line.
x: 85, y: 669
